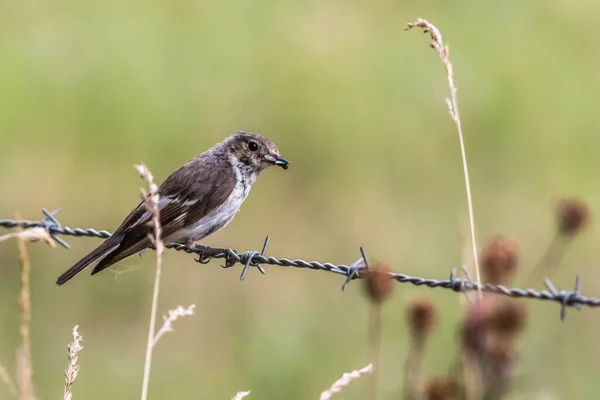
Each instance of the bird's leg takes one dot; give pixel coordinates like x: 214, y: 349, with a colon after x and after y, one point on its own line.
x: 208, y: 251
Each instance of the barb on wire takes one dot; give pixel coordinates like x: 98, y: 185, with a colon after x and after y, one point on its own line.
x: 246, y: 259
x: 569, y: 298
x: 358, y: 265
x: 566, y: 298
x: 54, y: 228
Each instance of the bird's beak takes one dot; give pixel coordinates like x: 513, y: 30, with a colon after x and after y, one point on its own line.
x: 277, y: 160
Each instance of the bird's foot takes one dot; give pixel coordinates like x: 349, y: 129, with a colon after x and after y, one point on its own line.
x: 203, y: 257
x: 230, y: 258
x: 206, y: 253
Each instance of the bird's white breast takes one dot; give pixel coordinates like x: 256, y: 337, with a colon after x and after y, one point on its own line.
x: 219, y: 217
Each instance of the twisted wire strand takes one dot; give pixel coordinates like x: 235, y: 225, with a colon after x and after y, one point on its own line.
x: 566, y: 298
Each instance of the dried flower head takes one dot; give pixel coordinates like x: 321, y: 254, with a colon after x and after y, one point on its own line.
x: 441, y: 389
x: 475, y: 328
x: 420, y: 315
x: 378, y: 283
x: 499, y: 259
x: 572, y: 215
x: 508, y: 318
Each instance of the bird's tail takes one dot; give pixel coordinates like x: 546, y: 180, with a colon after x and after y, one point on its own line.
x: 106, y: 248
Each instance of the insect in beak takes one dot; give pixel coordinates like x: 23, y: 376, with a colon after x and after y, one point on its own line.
x: 277, y: 160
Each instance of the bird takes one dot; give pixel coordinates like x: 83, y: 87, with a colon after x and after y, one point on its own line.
x: 195, y: 201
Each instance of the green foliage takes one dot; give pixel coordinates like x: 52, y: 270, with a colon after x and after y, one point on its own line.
x: 89, y: 88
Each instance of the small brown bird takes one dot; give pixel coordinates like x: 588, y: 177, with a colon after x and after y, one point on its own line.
x: 196, y: 200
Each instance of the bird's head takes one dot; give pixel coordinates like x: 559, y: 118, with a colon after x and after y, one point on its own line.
x: 255, y: 151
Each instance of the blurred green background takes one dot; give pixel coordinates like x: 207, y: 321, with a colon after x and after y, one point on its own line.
x: 87, y: 89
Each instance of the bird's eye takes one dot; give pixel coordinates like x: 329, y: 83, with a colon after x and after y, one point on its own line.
x: 252, y: 146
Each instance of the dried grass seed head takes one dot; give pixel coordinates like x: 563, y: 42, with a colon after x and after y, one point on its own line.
x: 420, y: 315
x: 378, y: 283
x: 572, y: 215
x: 499, y: 259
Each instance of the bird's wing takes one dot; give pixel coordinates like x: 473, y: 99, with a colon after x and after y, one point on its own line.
x: 185, y: 197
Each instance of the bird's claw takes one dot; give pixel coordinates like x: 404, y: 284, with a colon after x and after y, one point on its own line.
x: 203, y: 258
x: 230, y: 259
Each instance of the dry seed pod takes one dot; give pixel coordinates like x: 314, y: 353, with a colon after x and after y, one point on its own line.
x: 420, y: 315
x: 572, y: 215
x: 378, y: 284
x: 508, y: 318
x: 441, y: 389
x: 499, y: 259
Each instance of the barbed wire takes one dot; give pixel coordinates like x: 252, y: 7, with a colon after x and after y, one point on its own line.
x: 566, y: 298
